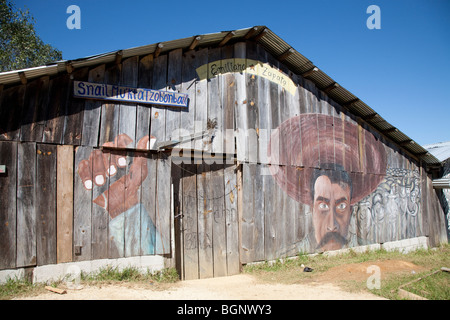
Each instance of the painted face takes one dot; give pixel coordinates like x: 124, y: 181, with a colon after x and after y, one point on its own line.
x: 331, y: 213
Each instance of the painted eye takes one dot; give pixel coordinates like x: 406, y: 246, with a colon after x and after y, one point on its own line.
x: 323, y: 206
x: 342, y: 206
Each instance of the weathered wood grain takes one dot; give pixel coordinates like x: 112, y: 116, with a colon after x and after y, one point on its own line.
x: 92, y: 111
x: 158, y: 117
x: 75, y: 111
x: 188, y: 86
x: 128, y: 111
x: 46, y: 204
x: 219, y: 220
x: 37, y: 130
x: 240, y: 111
x: 26, y: 202
x: 231, y: 228
x: 143, y: 112
x: 264, y: 128
x: 99, y: 216
x: 82, y: 211
x: 228, y: 91
x: 8, y: 214
x: 56, y: 109
x: 215, y: 108
x: 248, y: 213
x: 64, y: 203
x: 253, y: 104
x: 205, y: 220
x: 148, y: 200
x: 174, y: 83
x: 163, y: 196
x: 109, y: 123
x: 12, y: 103
x: 201, y: 101
x: 190, y: 222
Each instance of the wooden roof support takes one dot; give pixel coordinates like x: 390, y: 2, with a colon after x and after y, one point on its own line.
x: 22, y: 77
x: 227, y: 38
x: 284, y: 56
x: 332, y: 86
x: 118, y: 58
x: 371, y: 116
x: 158, y: 50
x: 195, y: 42
x: 309, y: 72
x: 261, y: 34
x: 390, y: 130
x: 406, y: 142
x: 348, y: 104
x: 251, y: 33
x: 69, y: 67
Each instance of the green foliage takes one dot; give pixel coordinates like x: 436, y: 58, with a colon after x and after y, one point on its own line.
x: 20, y: 46
x: 132, y: 274
x: 13, y: 287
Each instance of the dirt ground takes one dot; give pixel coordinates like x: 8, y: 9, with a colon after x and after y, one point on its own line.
x: 324, y: 286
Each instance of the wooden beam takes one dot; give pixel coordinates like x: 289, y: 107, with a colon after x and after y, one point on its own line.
x: 22, y: 77
x: 406, y: 142
x: 286, y: 54
x: 350, y: 103
x: 69, y: 67
x: 370, y: 117
x: 195, y: 42
x: 251, y: 33
x: 332, y: 86
x: 390, y: 130
x: 261, y: 34
x: 309, y: 72
x: 227, y: 38
x: 118, y: 58
x: 158, y: 50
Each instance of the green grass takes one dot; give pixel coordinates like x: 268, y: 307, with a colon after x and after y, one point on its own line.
x: 131, y: 274
x: 432, y: 287
x: 14, y: 288
x: 290, y: 271
x: 107, y: 275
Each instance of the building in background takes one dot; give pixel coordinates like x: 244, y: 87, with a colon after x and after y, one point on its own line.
x: 441, y: 151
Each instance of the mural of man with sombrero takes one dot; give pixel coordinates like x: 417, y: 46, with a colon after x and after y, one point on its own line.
x: 330, y: 164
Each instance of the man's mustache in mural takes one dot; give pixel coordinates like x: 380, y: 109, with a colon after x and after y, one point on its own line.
x: 332, y: 237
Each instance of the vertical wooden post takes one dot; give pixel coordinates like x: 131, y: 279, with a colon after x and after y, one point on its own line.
x: 26, y: 202
x: 46, y: 204
x: 64, y: 204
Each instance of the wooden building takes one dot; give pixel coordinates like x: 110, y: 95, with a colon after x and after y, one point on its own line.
x: 212, y: 151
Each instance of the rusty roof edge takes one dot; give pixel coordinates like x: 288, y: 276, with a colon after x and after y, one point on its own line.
x: 11, y: 77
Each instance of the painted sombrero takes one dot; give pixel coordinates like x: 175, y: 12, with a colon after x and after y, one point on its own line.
x: 309, y: 142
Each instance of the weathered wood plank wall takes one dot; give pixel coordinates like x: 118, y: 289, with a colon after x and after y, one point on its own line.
x: 121, y: 186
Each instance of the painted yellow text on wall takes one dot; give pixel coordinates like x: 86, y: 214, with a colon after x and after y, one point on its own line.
x: 212, y: 69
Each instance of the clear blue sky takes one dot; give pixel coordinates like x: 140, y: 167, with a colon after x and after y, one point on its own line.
x: 401, y: 70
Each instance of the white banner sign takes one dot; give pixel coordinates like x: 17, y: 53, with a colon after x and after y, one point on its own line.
x: 100, y: 91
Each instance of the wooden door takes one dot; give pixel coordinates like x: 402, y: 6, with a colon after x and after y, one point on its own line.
x: 207, y: 237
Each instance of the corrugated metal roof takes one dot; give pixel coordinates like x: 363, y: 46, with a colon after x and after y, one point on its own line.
x: 440, y: 150
x: 296, y: 62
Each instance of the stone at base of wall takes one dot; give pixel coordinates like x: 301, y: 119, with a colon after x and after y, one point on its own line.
x: 55, y: 272
x: 404, y: 246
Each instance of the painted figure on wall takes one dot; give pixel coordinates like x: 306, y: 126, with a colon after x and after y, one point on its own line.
x: 330, y: 164
x: 130, y: 226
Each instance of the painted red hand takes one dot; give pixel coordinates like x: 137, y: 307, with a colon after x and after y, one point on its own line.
x: 123, y: 193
